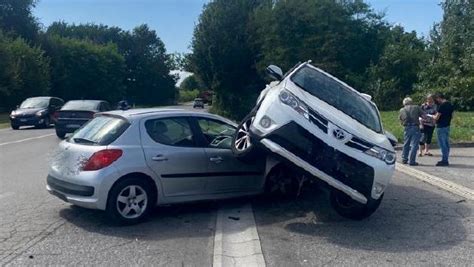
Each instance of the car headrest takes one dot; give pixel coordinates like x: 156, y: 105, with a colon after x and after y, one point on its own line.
x: 160, y: 127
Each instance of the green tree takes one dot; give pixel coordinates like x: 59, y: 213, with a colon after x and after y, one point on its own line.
x: 451, y: 68
x: 82, y: 69
x: 147, y: 76
x: 16, y: 19
x: 24, y: 71
x: 223, y: 55
x: 395, y: 73
x: 191, y: 83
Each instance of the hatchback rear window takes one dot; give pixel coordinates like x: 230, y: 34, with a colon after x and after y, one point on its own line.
x: 100, y: 131
x: 81, y: 105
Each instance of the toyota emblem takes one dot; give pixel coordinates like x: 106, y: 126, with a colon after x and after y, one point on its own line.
x: 339, y: 134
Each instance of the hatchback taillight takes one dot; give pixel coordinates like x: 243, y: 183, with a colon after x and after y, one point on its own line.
x: 102, y: 159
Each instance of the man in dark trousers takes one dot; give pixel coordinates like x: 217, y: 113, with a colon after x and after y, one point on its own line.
x: 410, y: 119
x: 443, y: 122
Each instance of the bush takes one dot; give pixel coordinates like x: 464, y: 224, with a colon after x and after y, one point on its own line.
x: 186, y: 95
x: 24, y: 71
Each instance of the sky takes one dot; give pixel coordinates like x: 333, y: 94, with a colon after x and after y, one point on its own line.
x: 174, y: 20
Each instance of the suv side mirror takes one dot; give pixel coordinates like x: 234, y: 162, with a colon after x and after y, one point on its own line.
x: 392, y: 138
x: 275, y: 72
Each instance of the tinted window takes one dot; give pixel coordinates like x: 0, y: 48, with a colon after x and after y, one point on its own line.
x: 338, y: 95
x: 37, y: 102
x: 170, y: 131
x: 81, y: 105
x: 101, y: 130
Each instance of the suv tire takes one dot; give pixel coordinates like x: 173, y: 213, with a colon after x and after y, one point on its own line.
x: 348, y: 208
x: 130, y: 201
x: 60, y: 135
x: 15, y: 127
x: 242, y: 145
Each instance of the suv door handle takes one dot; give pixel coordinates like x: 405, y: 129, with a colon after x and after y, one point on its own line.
x: 216, y: 159
x: 159, y: 158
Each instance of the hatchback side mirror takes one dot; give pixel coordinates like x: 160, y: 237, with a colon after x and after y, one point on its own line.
x: 275, y: 72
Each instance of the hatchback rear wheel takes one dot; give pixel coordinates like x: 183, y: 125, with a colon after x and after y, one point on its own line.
x: 130, y: 201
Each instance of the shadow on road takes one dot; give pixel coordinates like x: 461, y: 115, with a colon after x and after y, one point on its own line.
x: 409, y: 219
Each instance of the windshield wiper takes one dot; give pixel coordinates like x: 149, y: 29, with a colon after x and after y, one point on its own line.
x: 83, y: 140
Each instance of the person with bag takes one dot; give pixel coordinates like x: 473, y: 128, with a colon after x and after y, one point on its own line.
x: 427, y: 126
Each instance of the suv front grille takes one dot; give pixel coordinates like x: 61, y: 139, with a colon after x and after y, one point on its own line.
x: 348, y: 170
x: 318, y: 120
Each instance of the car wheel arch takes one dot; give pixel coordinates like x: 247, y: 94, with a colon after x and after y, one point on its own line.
x: 140, y: 175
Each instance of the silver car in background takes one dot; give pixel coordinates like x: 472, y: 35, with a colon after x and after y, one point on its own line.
x: 126, y: 162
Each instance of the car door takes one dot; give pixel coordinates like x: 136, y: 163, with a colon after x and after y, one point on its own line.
x: 172, y: 153
x: 226, y: 172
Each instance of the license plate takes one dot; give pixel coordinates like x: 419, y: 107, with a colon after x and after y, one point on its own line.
x: 73, y: 126
x: 22, y: 120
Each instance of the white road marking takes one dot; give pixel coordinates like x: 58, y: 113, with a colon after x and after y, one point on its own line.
x: 24, y: 140
x: 438, y: 182
x: 7, y: 194
x: 236, y: 241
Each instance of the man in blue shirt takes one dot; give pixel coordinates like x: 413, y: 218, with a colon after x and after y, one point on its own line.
x: 443, y: 122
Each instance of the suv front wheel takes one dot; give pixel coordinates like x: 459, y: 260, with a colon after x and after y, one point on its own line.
x: 345, y: 206
x: 242, y: 146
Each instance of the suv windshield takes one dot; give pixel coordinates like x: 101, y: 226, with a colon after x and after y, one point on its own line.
x: 35, y: 103
x: 81, y: 105
x: 100, y: 131
x: 338, y: 95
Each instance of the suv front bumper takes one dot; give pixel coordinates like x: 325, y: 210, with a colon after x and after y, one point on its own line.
x: 352, y: 176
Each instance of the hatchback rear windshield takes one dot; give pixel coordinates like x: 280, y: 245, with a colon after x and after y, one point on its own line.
x: 81, y: 105
x: 339, y: 96
x: 100, y: 131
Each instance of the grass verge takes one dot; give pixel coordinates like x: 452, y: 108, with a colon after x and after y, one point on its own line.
x: 462, y: 126
x: 4, y: 120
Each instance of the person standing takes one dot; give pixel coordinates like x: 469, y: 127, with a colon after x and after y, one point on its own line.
x: 443, y: 122
x: 410, y: 119
x: 427, y: 126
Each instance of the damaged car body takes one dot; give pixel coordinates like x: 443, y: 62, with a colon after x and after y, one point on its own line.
x: 324, y: 128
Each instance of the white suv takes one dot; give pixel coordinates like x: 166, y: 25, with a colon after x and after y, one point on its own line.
x: 326, y: 129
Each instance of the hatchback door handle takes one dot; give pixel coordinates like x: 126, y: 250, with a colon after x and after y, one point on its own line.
x: 159, y: 158
x: 217, y: 159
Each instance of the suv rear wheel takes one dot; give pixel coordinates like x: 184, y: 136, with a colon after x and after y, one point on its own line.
x: 130, y: 201
x: 345, y: 206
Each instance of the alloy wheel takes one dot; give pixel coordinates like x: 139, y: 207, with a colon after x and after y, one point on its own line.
x: 132, y: 201
x: 242, y: 142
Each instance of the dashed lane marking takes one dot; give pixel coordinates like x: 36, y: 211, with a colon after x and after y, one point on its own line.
x: 438, y: 182
x: 24, y: 140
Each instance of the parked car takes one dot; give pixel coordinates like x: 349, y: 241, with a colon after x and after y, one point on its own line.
x: 126, y: 162
x: 198, y: 103
x: 35, y: 111
x: 76, y: 113
x: 322, y: 127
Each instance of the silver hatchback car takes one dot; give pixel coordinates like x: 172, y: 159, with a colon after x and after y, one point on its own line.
x: 126, y: 162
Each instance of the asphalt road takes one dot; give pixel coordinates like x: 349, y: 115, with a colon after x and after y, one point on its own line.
x: 417, y: 224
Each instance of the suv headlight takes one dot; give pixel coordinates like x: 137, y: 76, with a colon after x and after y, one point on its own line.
x: 382, y: 154
x: 40, y: 113
x: 287, y: 98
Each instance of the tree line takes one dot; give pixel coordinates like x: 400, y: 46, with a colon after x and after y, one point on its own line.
x: 235, y: 40
x: 85, y: 61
